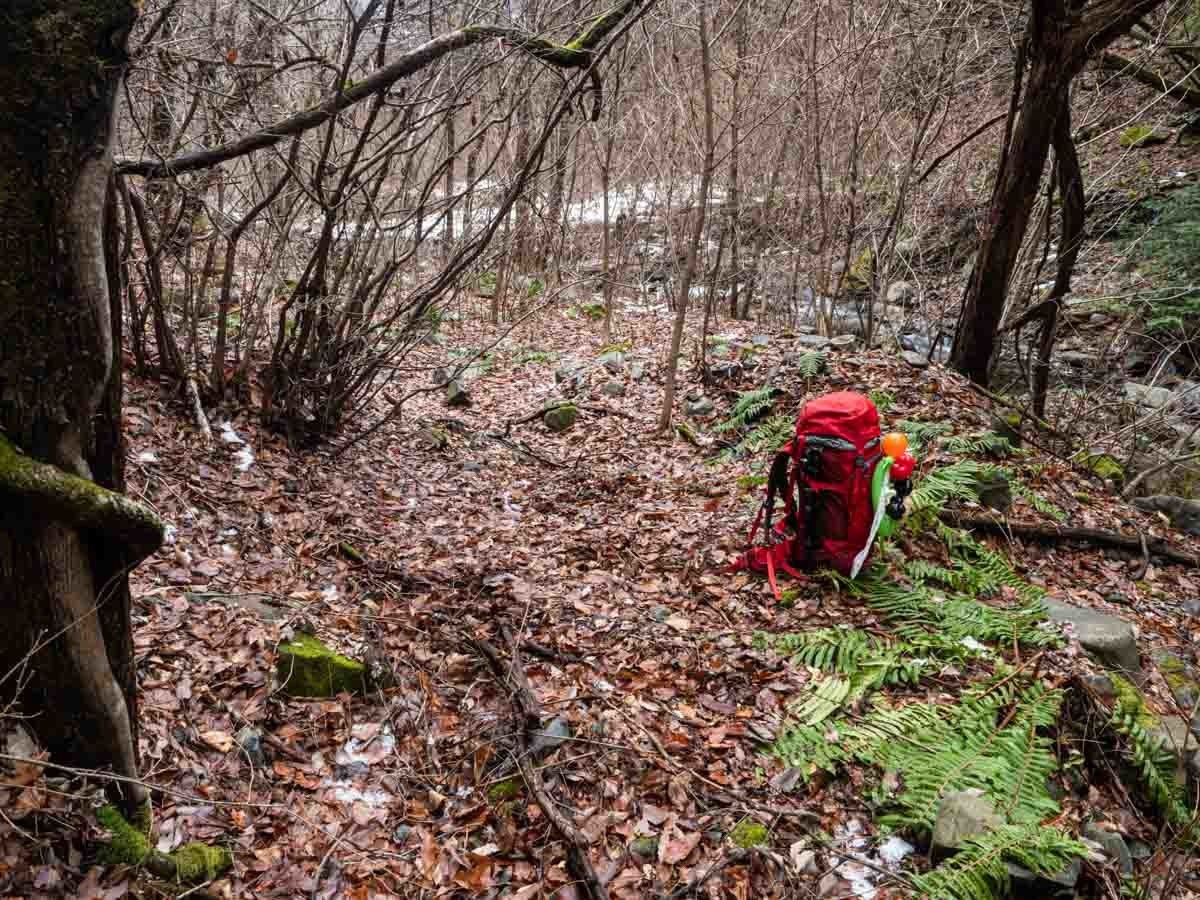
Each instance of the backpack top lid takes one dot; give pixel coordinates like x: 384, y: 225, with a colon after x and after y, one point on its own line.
x: 843, y: 414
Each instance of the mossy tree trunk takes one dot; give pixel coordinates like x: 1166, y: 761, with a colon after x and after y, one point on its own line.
x: 67, y: 643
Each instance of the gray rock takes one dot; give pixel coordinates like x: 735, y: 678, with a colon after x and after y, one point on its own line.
x: 560, y: 418
x: 1148, y: 396
x: 456, y: 394
x: 613, y: 389
x: 1098, y: 319
x: 960, y: 815
x: 614, y: 361
x: 812, y: 341
x: 440, y: 376
x: 556, y: 733
x: 760, y: 340
x: 1191, y: 606
x: 249, y: 740
x: 1184, y: 514
x: 914, y: 359
x: 637, y: 371
x: 1114, y: 846
x: 568, y: 371
x: 471, y: 466
x: 660, y: 613
x: 724, y: 371
x: 701, y: 407
x: 400, y: 833
x: 1180, y: 678
x: 901, y: 293
x: 842, y: 341
x: 1110, y: 638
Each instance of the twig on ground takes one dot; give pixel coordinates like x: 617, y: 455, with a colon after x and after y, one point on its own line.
x: 578, y: 862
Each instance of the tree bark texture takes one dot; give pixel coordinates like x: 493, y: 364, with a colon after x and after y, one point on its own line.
x: 67, y: 639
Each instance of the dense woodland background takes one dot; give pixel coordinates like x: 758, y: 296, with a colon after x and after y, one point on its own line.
x: 458, y: 336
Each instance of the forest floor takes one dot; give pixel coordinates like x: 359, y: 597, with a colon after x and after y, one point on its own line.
x: 595, y: 554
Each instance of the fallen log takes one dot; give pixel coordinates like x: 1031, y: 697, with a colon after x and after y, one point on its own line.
x: 1053, y: 534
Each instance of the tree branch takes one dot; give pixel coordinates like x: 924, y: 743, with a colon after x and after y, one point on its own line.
x: 48, y: 491
x: 1117, y: 63
x: 575, y: 54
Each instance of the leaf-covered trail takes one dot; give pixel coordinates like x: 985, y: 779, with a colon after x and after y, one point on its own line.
x: 600, y: 557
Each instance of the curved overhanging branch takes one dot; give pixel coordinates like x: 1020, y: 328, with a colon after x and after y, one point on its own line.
x: 575, y: 54
x: 51, y: 493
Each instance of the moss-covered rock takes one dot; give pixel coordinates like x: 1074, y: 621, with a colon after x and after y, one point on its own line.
x: 748, y: 833
x: 307, y: 668
x: 193, y: 863
x: 1102, y: 464
x: 1143, y: 136
x: 560, y: 418
x: 504, y: 790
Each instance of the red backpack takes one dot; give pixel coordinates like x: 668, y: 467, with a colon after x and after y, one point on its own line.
x: 823, y: 476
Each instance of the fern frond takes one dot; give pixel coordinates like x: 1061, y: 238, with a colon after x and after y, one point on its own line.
x: 749, y: 406
x: 957, y: 481
x: 920, y: 434
x: 979, y: 871
x: 1036, y: 500
x: 1153, y: 760
x: 829, y: 649
x: 988, y: 442
x: 811, y: 363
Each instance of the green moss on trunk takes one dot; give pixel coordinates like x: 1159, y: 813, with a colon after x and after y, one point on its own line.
x: 193, y: 863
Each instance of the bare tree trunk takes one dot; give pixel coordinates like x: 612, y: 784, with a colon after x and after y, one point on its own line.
x: 1070, y: 188
x: 1060, y: 38
x: 736, y: 309
x: 65, y: 544
x: 693, y: 248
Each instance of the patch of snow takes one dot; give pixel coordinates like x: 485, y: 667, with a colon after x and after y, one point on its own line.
x: 894, y: 849
x: 228, y: 435
x: 329, y: 593
x: 366, y: 752
x: 971, y: 644
x: 243, y: 459
x: 147, y: 456
x: 344, y: 792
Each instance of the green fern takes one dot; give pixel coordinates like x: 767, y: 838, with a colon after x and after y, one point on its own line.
x: 921, y: 434
x: 957, y: 481
x: 979, y: 870
x: 1036, y: 500
x: 828, y: 649
x: 883, y: 400
x: 771, y: 434
x: 988, y: 442
x: 749, y: 406
x: 1153, y: 760
x: 811, y: 364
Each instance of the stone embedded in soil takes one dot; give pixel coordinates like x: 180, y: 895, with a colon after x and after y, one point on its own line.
x: 560, y: 418
x: 960, y: 815
x: 1109, y: 637
x: 914, y: 359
